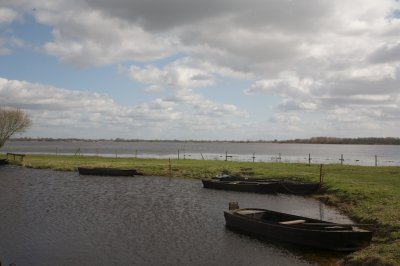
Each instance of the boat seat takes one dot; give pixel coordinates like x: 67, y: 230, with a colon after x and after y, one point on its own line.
x: 247, y: 212
x: 293, y: 222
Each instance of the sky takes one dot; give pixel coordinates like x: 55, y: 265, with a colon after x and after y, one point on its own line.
x: 202, y: 70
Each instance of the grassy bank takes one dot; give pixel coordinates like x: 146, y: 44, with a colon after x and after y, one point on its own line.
x: 366, y: 194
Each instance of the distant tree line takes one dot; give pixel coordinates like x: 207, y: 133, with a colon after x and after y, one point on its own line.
x: 313, y: 140
x: 333, y: 140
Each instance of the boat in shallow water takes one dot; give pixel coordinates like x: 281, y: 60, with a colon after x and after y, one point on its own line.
x: 298, y: 230
x: 108, y: 171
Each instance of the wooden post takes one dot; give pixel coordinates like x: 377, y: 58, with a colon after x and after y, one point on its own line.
x: 321, y: 175
x: 279, y: 158
x: 226, y: 156
x: 376, y: 160
x: 170, y: 167
x: 341, y: 159
x: 309, y: 159
x: 254, y: 156
x: 178, y: 154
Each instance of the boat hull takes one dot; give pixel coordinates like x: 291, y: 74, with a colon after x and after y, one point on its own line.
x: 293, y: 187
x: 337, y: 240
x: 242, y: 186
x: 107, y: 171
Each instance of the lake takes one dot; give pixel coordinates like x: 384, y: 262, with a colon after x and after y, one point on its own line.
x: 60, y: 218
x: 386, y: 155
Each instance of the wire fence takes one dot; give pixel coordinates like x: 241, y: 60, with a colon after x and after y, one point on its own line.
x: 306, y: 158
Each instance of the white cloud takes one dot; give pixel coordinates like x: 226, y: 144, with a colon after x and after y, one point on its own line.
x: 7, y: 15
x: 175, y: 75
x: 90, y: 38
x: 86, y: 114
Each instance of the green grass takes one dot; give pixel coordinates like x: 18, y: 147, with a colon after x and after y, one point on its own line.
x: 366, y: 194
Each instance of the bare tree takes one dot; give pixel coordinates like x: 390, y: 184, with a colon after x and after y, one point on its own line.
x: 12, y: 121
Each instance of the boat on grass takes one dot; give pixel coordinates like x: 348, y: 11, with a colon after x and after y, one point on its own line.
x: 102, y: 171
x: 298, y: 230
x: 243, y: 186
x: 264, y: 185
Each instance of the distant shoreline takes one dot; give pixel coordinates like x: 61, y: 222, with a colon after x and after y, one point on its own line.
x: 313, y: 140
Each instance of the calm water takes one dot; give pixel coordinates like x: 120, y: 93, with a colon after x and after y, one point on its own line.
x: 61, y: 218
x: 263, y: 152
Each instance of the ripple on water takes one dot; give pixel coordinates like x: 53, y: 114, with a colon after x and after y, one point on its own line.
x: 60, y: 218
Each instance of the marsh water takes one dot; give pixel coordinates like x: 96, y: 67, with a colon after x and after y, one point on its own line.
x: 60, y: 218
x: 380, y: 155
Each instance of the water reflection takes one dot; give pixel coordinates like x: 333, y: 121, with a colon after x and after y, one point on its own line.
x: 60, y: 218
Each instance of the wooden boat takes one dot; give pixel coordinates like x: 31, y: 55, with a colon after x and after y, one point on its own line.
x: 297, y: 187
x: 243, y: 186
x: 108, y: 171
x: 298, y: 230
x: 265, y: 185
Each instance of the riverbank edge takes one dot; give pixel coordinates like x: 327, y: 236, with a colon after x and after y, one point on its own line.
x: 380, y: 252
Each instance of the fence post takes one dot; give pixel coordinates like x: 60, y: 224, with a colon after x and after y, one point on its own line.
x: 376, y: 160
x: 170, y: 167
x: 321, y: 175
x: 341, y: 159
x: 254, y: 156
x: 309, y: 159
x: 178, y: 154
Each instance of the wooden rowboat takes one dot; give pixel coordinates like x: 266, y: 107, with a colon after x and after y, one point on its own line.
x: 298, y: 230
x: 261, y: 185
x: 108, y: 171
x: 243, y: 186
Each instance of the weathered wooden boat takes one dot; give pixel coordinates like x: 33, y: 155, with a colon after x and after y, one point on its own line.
x: 264, y: 185
x: 297, y: 187
x: 3, y: 161
x: 243, y: 186
x: 108, y: 171
x: 298, y: 230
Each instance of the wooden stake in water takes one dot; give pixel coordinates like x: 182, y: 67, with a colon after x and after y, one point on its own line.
x: 341, y: 159
x: 309, y: 159
x: 376, y: 160
x: 254, y: 156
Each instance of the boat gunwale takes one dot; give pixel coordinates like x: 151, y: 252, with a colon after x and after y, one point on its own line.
x: 299, y: 227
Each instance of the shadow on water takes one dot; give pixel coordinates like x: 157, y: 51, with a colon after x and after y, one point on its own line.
x: 321, y: 257
x: 61, y: 218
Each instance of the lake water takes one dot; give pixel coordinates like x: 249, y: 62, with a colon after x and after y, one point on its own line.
x: 386, y: 155
x: 60, y: 218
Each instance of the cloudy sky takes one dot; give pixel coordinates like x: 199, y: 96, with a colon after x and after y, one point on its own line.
x: 209, y: 69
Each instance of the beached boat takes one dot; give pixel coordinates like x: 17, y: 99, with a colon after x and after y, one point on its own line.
x: 298, y: 230
x: 265, y: 185
x: 108, y: 171
x: 243, y: 186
